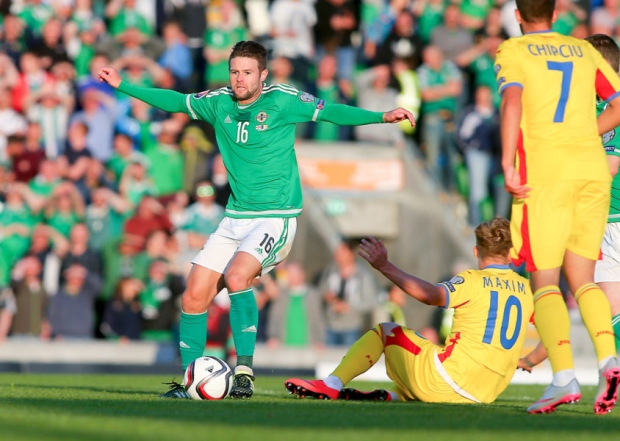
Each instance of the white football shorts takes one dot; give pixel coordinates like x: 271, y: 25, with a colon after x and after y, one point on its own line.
x: 608, y: 268
x: 269, y: 240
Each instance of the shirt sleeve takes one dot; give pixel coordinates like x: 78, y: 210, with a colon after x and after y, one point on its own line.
x: 201, y: 106
x: 457, y: 289
x: 508, y: 68
x: 302, y: 107
x: 607, y: 81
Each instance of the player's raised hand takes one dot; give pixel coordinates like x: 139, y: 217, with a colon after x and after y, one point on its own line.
x: 513, y: 184
x: 373, y: 251
x: 110, y: 76
x: 398, y: 115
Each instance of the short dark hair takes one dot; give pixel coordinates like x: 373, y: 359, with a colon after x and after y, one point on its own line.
x: 250, y: 49
x: 536, y: 11
x: 493, y: 238
x: 608, y: 49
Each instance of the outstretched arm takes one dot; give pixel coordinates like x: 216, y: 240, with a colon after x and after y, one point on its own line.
x: 166, y: 100
x: 343, y: 115
x: 375, y: 253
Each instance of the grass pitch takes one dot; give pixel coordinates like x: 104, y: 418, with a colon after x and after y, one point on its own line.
x: 126, y: 407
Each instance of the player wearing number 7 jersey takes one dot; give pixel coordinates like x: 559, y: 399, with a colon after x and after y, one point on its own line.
x: 255, y: 131
x: 558, y: 174
x: 493, y: 306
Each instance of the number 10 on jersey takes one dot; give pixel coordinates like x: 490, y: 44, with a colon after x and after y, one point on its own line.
x: 242, y: 132
x: 512, y: 303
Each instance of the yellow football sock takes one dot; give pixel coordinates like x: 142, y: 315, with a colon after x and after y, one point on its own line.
x: 553, y: 324
x: 596, y: 315
x: 361, y: 356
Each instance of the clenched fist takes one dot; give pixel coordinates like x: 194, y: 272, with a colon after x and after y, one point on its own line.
x: 110, y: 76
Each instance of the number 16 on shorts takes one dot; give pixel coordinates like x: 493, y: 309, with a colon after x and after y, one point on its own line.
x: 269, y: 240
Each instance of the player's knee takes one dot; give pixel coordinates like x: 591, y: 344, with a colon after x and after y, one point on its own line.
x: 385, y: 329
x: 194, y: 301
x: 237, y: 281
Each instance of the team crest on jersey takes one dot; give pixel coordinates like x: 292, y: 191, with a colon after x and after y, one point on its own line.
x: 261, y: 127
x: 609, y: 136
x: 498, y: 67
x: 306, y: 97
x: 262, y: 116
x: 201, y: 94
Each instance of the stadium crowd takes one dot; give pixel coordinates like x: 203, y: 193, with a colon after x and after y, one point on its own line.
x: 104, y: 200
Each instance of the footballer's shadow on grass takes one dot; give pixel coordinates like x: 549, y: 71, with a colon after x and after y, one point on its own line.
x: 315, y: 414
x: 113, y: 390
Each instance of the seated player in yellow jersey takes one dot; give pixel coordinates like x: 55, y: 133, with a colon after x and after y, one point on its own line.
x: 555, y: 167
x: 493, y: 306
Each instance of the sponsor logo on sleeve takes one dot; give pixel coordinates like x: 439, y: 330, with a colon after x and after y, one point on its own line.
x: 201, y: 94
x: 320, y: 105
x: 607, y: 137
x: 306, y: 97
x: 457, y: 280
x: 501, y: 81
x: 450, y: 286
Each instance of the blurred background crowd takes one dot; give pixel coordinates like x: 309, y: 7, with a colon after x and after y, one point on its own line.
x: 104, y: 200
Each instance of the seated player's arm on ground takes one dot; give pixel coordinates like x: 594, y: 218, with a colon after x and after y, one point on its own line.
x: 534, y: 358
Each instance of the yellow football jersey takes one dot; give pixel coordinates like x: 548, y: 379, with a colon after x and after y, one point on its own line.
x: 492, y: 310
x: 560, y: 77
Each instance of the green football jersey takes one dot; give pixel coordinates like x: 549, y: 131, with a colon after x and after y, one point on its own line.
x: 611, y: 142
x: 257, y: 144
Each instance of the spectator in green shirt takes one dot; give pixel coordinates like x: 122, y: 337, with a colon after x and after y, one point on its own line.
x: 123, y: 15
x: 440, y: 84
x: 295, y: 316
x: 569, y: 17
x: 16, y: 222
x: 65, y: 208
x: 123, y: 155
x: 166, y: 161
x: 429, y: 14
x: 35, y: 13
x: 473, y: 12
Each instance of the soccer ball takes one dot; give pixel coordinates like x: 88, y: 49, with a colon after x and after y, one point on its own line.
x: 208, y: 378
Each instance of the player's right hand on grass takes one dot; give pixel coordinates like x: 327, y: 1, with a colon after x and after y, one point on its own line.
x: 110, y: 76
x: 524, y: 365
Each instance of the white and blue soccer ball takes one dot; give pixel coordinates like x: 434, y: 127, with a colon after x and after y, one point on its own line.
x: 208, y: 378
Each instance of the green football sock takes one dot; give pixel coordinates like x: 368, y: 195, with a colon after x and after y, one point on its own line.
x: 615, y: 322
x: 193, y: 337
x: 244, y: 323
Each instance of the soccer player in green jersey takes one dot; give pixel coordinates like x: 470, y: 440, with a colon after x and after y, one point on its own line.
x: 255, y: 131
x: 607, y: 270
